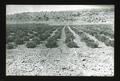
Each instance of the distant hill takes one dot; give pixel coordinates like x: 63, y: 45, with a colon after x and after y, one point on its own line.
x: 89, y: 16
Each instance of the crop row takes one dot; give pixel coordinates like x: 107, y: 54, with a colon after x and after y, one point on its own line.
x: 52, y: 41
x: 70, y: 39
x: 30, y: 35
x: 103, y: 34
x: 100, y: 29
x: 84, y: 38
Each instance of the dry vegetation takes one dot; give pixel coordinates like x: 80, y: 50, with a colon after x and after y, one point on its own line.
x: 102, y: 32
x: 84, y: 38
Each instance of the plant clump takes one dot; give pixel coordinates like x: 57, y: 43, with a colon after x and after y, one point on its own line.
x: 31, y: 44
x: 11, y: 45
x: 19, y: 41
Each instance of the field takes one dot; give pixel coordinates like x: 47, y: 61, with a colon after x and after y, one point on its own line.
x: 59, y: 50
x: 60, y: 43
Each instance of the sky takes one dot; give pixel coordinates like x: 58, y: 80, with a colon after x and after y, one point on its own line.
x: 12, y: 9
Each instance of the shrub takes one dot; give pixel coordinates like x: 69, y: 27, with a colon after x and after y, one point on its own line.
x: 68, y: 40
x: 101, y: 38
x: 11, y: 46
x: 31, y: 44
x: 109, y: 43
x: 26, y: 38
x: 19, y: 41
x: 72, y: 45
x: 36, y: 40
x: 51, y: 43
x: 89, y: 42
x: 92, y: 44
x: 30, y: 32
x: 10, y: 39
x: 112, y: 43
x: 21, y: 33
x: 58, y: 33
x: 36, y: 34
x: 31, y: 36
x: 84, y: 37
x: 106, y: 40
x: 44, y: 36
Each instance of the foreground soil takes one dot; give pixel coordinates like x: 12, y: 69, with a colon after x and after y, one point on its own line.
x: 60, y: 62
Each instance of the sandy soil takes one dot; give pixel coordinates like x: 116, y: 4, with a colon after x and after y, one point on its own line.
x: 72, y: 61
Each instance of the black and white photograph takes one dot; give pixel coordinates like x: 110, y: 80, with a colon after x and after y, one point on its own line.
x: 60, y: 40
